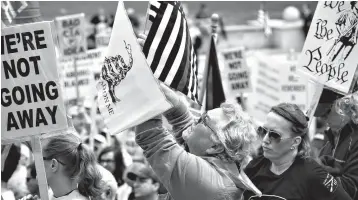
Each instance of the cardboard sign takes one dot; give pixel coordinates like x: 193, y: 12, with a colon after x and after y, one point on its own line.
x: 294, y: 88
x: 330, y: 52
x: 275, y: 80
x: 236, y: 72
x: 31, y: 97
x: 88, y: 68
x: 266, y: 86
x: 72, y: 34
x: 128, y: 93
x: 102, y: 39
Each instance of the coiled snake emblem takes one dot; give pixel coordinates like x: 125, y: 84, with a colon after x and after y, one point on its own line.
x: 114, y: 70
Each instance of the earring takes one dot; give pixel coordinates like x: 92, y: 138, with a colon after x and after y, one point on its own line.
x: 292, y: 148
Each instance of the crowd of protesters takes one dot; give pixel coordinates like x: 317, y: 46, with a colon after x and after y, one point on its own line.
x: 223, y: 155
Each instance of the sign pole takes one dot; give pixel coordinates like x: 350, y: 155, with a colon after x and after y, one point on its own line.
x: 40, y: 167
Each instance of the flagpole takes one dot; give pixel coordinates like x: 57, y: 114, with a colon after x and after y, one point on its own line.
x: 214, y: 25
x: 146, y: 19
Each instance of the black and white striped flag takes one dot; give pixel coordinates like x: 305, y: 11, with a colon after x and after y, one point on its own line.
x: 169, y: 50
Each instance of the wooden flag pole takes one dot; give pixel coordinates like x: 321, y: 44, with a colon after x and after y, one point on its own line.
x: 40, y: 167
x: 214, y: 25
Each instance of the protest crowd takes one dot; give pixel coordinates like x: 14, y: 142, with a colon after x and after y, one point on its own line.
x: 179, y: 105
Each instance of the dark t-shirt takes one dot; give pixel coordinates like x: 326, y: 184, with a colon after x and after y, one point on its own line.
x: 305, y: 179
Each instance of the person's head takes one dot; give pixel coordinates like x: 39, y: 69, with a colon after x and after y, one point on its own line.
x: 143, y: 180
x: 111, y: 158
x: 110, y: 185
x: 226, y: 132
x: 341, y: 111
x: 99, y: 142
x: 285, y: 133
x: 66, y: 158
x: 31, y: 182
x: 11, y: 162
x: 347, y: 108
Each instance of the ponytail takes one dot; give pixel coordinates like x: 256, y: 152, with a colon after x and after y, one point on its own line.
x: 80, y: 163
x: 90, y: 178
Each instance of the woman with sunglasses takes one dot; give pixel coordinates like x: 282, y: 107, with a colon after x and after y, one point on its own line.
x: 339, y: 154
x: 285, y: 170
x: 71, y: 169
x: 219, y: 144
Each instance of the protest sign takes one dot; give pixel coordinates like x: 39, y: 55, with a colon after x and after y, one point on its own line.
x: 266, y: 85
x: 71, y: 34
x: 88, y: 67
x: 329, y: 53
x: 294, y: 88
x: 236, y: 71
x: 128, y: 93
x: 31, y: 97
x: 275, y: 80
x: 102, y: 38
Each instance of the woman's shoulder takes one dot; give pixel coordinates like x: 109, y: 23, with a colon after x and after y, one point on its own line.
x: 308, y: 166
x: 256, y: 164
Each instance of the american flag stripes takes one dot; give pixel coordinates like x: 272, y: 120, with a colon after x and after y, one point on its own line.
x: 169, y: 50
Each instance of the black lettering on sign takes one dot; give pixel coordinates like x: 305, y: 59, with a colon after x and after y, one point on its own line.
x: 23, y: 67
x: 39, y: 39
x: 321, y: 30
x: 293, y: 88
x: 238, y: 86
x: 238, y: 75
x: 235, y: 65
x: 334, y: 5
x: 31, y: 118
x: 228, y: 56
x: 70, y: 22
x: 32, y: 93
x: 30, y: 41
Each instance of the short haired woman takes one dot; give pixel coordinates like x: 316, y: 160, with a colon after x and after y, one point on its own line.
x: 285, y: 171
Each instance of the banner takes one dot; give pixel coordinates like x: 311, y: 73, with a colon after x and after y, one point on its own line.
x: 72, y: 34
x: 330, y: 52
x: 31, y: 98
x: 128, y: 93
x: 88, y: 71
x: 236, y: 71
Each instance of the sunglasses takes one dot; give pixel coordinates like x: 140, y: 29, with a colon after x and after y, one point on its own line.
x: 134, y: 177
x: 203, y: 120
x: 48, y: 158
x: 272, y: 135
x: 106, y: 161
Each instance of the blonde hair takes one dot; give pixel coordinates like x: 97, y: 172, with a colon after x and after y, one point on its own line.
x: 348, y: 106
x: 238, y: 137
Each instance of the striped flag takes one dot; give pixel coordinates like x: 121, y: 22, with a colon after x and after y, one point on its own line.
x: 169, y: 50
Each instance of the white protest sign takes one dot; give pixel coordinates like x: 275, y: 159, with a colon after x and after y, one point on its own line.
x: 266, y: 85
x: 30, y: 90
x: 236, y: 71
x: 330, y: 52
x: 294, y: 88
x: 72, y: 34
x: 128, y: 93
x: 102, y: 39
x: 87, y: 65
x: 275, y: 80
